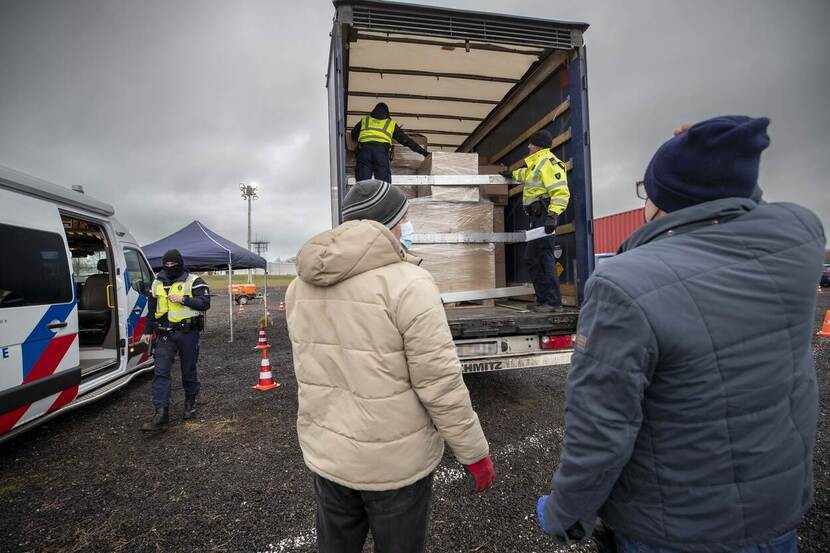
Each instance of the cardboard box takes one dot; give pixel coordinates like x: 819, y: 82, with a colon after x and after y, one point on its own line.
x: 429, y: 216
x: 458, y: 267
x: 449, y: 163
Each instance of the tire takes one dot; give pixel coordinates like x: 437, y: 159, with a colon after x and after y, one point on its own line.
x: 242, y: 300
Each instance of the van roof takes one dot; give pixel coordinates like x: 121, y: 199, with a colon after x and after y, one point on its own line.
x: 33, y: 186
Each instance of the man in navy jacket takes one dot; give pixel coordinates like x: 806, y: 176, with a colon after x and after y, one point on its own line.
x: 692, y: 400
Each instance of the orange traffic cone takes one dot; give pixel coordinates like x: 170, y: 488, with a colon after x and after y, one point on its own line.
x: 262, y: 343
x: 825, y: 328
x: 266, y: 379
x: 241, y: 309
x: 282, y: 307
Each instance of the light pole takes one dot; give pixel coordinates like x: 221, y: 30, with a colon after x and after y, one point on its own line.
x: 249, y: 193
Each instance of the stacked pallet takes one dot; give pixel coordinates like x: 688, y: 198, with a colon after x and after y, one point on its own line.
x: 457, y: 267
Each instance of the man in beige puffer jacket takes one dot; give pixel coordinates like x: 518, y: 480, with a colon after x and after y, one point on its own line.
x: 380, y: 385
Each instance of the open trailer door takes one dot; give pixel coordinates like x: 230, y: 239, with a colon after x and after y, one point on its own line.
x: 337, y: 122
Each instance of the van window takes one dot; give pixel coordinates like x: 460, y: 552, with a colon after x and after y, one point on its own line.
x: 33, y: 268
x: 140, y: 275
x: 88, y: 263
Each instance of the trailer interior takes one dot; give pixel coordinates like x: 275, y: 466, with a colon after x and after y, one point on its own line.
x: 473, y: 82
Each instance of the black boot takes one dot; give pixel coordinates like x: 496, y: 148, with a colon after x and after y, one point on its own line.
x: 159, y: 422
x: 189, y: 409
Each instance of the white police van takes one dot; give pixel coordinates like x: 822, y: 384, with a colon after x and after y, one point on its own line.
x: 73, y: 301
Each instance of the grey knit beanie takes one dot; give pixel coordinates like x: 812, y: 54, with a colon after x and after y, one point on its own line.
x: 375, y: 200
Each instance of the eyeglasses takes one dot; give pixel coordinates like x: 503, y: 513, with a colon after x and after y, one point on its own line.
x: 641, y: 190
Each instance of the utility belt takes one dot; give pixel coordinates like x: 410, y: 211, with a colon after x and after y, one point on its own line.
x: 192, y: 324
x: 538, y: 207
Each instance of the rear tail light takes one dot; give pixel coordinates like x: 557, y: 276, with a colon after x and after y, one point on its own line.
x: 565, y: 341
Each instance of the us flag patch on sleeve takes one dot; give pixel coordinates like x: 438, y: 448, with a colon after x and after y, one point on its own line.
x: 581, y: 342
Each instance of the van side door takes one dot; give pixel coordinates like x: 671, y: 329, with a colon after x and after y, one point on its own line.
x: 138, y: 278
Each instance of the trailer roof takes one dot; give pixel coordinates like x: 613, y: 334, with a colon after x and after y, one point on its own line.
x: 456, y: 23
x: 33, y: 186
x: 445, y: 73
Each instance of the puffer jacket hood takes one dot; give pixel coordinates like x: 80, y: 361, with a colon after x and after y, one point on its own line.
x: 352, y: 248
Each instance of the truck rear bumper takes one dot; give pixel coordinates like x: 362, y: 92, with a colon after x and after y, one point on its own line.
x: 490, y: 364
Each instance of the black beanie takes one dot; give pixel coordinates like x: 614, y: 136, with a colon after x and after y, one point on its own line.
x: 375, y: 200
x: 543, y: 139
x: 714, y: 159
x: 381, y: 111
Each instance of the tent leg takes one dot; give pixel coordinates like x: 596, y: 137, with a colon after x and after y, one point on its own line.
x: 265, y: 297
x: 230, y: 297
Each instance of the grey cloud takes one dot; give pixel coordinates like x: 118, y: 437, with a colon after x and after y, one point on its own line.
x: 138, y: 99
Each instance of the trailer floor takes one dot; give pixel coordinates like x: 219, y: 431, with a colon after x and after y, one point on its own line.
x: 476, y: 322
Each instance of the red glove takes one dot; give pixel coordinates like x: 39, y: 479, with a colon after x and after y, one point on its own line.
x: 483, y: 473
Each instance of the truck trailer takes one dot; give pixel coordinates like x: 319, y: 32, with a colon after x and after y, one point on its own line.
x: 472, y: 82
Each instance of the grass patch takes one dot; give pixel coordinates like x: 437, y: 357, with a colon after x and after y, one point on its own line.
x: 220, y: 282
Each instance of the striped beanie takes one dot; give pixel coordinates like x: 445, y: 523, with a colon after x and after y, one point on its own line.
x: 375, y: 200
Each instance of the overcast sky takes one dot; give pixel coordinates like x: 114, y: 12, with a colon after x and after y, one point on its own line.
x: 162, y: 107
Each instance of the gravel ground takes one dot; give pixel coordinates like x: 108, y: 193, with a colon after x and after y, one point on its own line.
x: 234, y: 479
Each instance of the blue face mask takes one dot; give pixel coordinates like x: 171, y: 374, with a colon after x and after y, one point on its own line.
x: 407, y: 232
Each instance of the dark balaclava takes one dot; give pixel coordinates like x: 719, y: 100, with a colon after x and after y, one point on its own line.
x: 381, y: 111
x: 375, y: 200
x: 714, y: 159
x: 173, y: 256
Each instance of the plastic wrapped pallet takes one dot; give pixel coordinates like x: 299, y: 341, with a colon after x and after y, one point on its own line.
x: 455, y: 267
x: 406, y: 162
x: 429, y: 216
x: 451, y: 163
x: 458, y: 267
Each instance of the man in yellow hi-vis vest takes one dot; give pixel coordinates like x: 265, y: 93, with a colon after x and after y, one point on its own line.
x: 374, y: 134
x: 545, y: 197
x: 176, y: 307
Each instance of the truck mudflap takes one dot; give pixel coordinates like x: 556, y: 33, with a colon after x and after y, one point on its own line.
x: 490, y: 364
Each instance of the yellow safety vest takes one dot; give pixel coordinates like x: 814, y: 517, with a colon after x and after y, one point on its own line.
x: 176, y: 312
x: 376, y: 130
x: 544, y: 176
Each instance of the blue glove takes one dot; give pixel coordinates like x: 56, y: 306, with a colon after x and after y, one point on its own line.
x: 540, y: 515
x: 565, y: 537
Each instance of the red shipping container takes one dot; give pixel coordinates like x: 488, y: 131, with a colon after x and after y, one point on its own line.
x: 611, y: 231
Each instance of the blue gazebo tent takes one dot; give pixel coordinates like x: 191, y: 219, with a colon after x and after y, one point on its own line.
x: 204, y: 250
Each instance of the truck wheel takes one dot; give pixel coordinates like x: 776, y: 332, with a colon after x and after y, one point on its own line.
x: 242, y: 300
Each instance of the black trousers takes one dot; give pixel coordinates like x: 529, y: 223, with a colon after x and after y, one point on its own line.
x: 186, y: 344
x: 540, y: 261
x: 372, y: 160
x: 398, y: 518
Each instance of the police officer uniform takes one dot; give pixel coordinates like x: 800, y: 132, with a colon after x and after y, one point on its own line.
x: 545, y: 196
x: 374, y: 134
x: 176, y: 326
